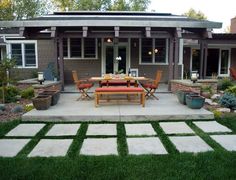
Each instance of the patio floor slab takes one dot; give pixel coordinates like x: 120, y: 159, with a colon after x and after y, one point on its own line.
x: 193, y: 144
x: 11, y: 147
x: 99, y: 146
x: 145, y: 145
x: 226, y: 141
x: 102, y: 129
x: 26, y: 130
x: 176, y: 128
x: 139, y: 129
x: 63, y: 130
x: 51, y: 148
x: 68, y: 109
x: 211, y: 126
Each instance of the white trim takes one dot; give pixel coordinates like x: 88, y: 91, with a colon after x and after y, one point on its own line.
x: 153, y: 55
x: 219, y: 60
x: 23, y: 42
x: 102, y: 57
x: 229, y: 60
x: 181, y: 49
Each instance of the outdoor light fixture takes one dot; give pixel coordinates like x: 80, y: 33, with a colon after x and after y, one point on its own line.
x: 109, y: 40
x: 149, y: 52
x: 194, y: 76
x: 156, y: 50
x: 40, y: 77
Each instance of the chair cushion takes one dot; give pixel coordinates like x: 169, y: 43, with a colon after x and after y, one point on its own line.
x: 84, y: 86
x: 117, y: 83
x: 149, y: 85
x: 119, y: 89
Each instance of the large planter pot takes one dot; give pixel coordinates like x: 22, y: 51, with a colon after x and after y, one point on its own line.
x: 195, y: 101
x: 42, y: 102
x: 182, y: 95
x: 55, y: 95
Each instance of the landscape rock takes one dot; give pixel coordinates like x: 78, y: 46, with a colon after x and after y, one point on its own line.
x: 215, y: 96
x: 2, y: 107
x: 223, y: 109
x: 17, y: 109
x: 210, y: 102
x: 1, y: 112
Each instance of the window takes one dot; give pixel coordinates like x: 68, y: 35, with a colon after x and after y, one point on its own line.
x: 80, y: 48
x: 153, y: 51
x: 224, y: 62
x: 24, y: 53
x: 196, y: 60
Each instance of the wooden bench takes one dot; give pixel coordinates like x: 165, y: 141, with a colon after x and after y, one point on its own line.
x: 119, y: 90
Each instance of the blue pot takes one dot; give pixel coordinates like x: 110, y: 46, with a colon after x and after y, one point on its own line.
x: 195, y: 101
x: 182, y: 95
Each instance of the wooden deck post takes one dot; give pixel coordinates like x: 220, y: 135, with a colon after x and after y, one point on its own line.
x: 201, y: 59
x: 61, y: 61
x: 176, y: 58
x: 171, y: 46
x: 205, y: 59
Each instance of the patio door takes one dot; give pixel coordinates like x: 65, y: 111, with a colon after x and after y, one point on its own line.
x: 111, y: 52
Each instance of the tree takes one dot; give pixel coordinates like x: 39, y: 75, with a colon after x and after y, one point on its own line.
x: 6, y: 65
x: 6, y: 10
x: 195, y: 15
x: 103, y: 5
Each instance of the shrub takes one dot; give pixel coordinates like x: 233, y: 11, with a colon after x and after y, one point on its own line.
x: 17, y: 109
x: 228, y: 100
x: 27, y: 93
x: 28, y: 107
x: 217, y: 114
x: 231, y: 90
x: 11, y: 93
x: 224, y: 83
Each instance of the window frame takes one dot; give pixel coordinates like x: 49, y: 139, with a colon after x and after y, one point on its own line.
x: 23, y: 42
x: 153, y: 55
x: 229, y: 61
x: 82, y: 50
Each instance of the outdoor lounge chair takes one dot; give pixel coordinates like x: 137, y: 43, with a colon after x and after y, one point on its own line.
x: 152, y: 85
x: 233, y: 73
x: 82, y: 85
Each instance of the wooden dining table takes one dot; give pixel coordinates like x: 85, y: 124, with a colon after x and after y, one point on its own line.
x: 113, y: 77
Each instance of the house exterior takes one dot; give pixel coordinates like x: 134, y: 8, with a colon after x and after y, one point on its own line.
x: 90, y: 43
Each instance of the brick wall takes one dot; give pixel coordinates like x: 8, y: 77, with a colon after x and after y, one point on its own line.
x: 233, y: 25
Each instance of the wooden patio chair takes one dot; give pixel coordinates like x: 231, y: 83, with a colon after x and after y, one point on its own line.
x: 82, y: 85
x: 152, y: 85
x: 232, y: 73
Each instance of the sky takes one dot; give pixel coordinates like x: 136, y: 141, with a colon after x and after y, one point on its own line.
x: 219, y: 11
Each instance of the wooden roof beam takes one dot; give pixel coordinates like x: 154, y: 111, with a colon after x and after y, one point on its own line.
x: 85, y: 31
x: 117, y: 31
x: 148, y: 32
x: 178, y: 32
x: 207, y: 33
x: 53, y: 31
x: 22, y: 31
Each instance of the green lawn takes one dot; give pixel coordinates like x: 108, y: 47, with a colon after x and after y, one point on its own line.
x: 219, y: 164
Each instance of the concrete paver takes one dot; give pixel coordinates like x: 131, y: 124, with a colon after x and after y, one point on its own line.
x: 211, y: 126
x: 176, y: 128
x: 226, y: 141
x: 139, y: 129
x: 63, y: 130
x: 102, y: 129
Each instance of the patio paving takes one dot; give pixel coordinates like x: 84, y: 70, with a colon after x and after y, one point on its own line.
x: 11, y: 147
x: 68, y: 109
x: 211, y: 126
x: 101, y: 129
x: 139, y: 129
x: 26, y: 130
x: 63, y: 130
x: 176, y: 128
x: 145, y: 145
x: 99, y: 146
x: 193, y: 144
x: 226, y: 141
x: 51, y: 148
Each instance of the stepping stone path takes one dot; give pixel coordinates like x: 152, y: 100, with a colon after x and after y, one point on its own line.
x: 226, y: 141
x: 146, y: 145
x: 99, y: 146
x: 11, y: 147
x: 26, y: 130
x: 211, y: 126
x: 63, y: 130
x: 101, y: 129
x: 139, y: 130
x: 176, y: 128
x: 51, y: 147
x: 192, y: 144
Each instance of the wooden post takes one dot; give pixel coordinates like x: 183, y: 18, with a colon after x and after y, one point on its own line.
x: 176, y: 58
x: 61, y: 61
x: 201, y: 59
x: 170, y: 62
x: 205, y: 59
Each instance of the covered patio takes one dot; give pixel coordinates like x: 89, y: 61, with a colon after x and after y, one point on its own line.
x: 68, y: 109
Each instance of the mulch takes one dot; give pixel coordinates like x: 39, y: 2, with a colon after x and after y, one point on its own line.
x: 8, y: 115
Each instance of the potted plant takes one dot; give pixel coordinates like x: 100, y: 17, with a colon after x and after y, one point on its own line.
x: 195, y: 101
x: 181, y: 94
x: 55, y: 95
x: 42, y: 102
x: 206, y: 91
